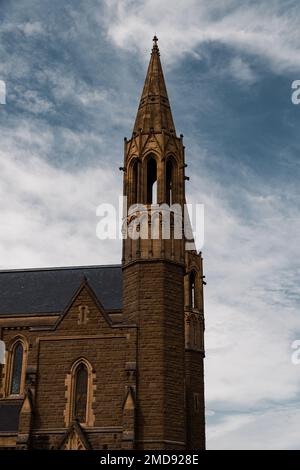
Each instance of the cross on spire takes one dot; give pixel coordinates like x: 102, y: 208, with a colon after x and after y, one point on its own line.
x: 155, y: 46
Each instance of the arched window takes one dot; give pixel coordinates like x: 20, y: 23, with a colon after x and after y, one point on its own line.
x: 134, y: 182
x: 151, y: 181
x: 192, y: 290
x: 170, y: 182
x: 80, y: 393
x: 17, y: 368
x: 2, y: 352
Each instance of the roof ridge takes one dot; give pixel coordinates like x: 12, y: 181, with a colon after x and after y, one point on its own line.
x: 60, y: 268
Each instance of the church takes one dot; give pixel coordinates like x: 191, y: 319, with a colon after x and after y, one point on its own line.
x: 111, y: 357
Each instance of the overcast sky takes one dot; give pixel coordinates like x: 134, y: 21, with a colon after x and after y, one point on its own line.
x: 74, y: 71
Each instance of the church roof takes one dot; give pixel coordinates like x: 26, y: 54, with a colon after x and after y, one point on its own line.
x: 49, y: 290
x: 154, y: 110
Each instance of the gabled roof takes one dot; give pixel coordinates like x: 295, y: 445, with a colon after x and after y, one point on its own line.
x: 49, y: 290
x: 84, y: 285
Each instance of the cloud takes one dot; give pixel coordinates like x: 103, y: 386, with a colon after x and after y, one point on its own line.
x: 263, y: 28
x: 271, y: 429
x: 241, y: 70
x: 31, y: 29
x: 27, y: 28
x: 252, y: 311
x: 48, y: 214
x: 30, y: 100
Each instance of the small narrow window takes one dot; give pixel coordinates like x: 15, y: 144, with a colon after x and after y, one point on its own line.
x: 80, y: 393
x: 192, y: 290
x: 135, y: 183
x: 17, y: 367
x: 169, y: 183
x: 2, y: 352
x: 196, y: 402
x: 151, y: 182
x: 83, y: 312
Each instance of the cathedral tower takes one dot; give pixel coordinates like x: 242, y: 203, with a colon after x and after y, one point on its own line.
x: 162, y: 281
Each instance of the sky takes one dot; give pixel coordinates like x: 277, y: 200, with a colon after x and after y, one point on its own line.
x: 74, y: 72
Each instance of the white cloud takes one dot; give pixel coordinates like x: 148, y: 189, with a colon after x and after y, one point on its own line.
x: 273, y: 429
x: 31, y: 29
x: 27, y: 28
x: 263, y: 28
x: 241, y: 70
x: 48, y: 214
x: 30, y: 100
x: 252, y: 311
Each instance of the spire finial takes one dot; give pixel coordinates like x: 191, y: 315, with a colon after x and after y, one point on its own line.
x: 155, y: 46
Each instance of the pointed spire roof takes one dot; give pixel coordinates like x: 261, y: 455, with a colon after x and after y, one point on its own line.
x: 154, y: 110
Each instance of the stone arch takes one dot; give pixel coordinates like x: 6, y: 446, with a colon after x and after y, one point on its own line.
x: 192, y: 289
x: 71, y: 385
x: 133, y: 180
x: 171, y: 179
x: 15, y: 374
x: 150, y: 167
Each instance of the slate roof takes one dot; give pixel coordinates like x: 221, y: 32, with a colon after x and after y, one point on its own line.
x: 9, y: 415
x: 49, y: 290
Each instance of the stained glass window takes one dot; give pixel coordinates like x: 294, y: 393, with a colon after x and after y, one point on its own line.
x: 16, y: 375
x: 80, y: 396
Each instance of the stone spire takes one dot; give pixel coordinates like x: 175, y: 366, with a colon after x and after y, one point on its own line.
x: 154, y: 110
